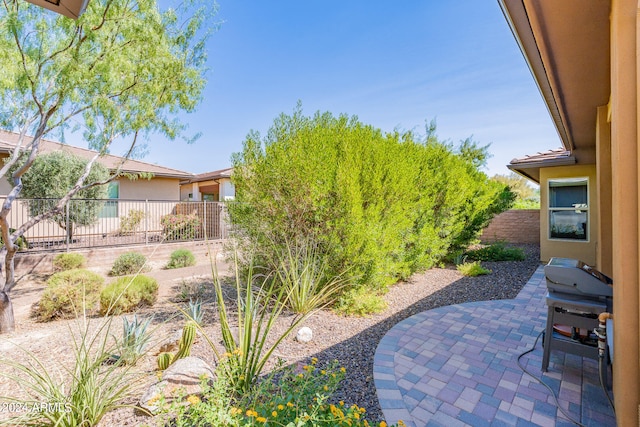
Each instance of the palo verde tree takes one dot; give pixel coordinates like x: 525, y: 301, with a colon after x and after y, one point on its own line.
x: 49, y: 179
x: 122, y: 71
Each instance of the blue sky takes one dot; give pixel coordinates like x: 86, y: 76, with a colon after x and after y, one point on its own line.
x: 392, y: 64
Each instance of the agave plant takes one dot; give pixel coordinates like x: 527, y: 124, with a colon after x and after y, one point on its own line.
x: 194, y: 311
x: 134, y: 339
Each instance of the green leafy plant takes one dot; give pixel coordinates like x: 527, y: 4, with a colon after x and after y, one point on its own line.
x: 303, y: 274
x: 82, y: 394
x: 131, y: 221
x: 180, y: 226
x: 187, y: 339
x: 472, y: 269
x: 181, y: 258
x: 360, y: 302
x: 68, y: 294
x: 496, y: 252
x: 135, y: 338
x: 129, y: 263
x: 127, y: 293
x: 287, y: 396
x: 68, y: 261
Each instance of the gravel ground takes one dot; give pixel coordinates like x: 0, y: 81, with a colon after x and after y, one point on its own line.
x: 350, y: 340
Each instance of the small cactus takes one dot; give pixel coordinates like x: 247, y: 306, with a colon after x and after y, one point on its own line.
x: 164, y: 360
x: 186, y: 342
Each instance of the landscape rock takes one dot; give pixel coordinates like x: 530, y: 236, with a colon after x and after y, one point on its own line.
x: 305, y: 334
x: 182, y: 378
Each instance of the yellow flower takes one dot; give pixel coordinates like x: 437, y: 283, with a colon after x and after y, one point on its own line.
x: 261, y: 419
x: 323, y: 372
x: 343, y: 370
x: 235, y: 411
x: 280, y: 407
x: 193, y: 399
x: 401, y: 423
x: 325, y: 388
x: 314, y: 360
x: 383, y: 424
x: 341, y: 403
x: 274, y: 414
x: 251, y: 413
x: 300, y: 376
x: 290, y: 405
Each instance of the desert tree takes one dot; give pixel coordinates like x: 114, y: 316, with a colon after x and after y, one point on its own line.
x: 49, y: 179
x: 121, y: 72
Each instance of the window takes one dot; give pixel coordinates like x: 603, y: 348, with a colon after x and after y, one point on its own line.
x: 569, y: 209
x: 110, y: 208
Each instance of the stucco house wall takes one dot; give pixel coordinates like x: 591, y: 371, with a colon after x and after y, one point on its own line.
x: 150, y: 189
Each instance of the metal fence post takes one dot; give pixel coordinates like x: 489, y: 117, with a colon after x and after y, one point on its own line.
x: 146, y: 221
x: 67, y: 221
x: 204, y: 228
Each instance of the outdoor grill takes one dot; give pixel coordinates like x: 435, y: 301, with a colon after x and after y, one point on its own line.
x: 577, y: 294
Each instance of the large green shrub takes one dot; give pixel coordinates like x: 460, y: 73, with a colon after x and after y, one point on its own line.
x: 128, y: 293
x: 128, y: 263
x: 68, y: 294
x: 380, y: 206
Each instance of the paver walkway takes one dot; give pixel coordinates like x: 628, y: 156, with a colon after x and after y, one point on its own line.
x: 457, y: 365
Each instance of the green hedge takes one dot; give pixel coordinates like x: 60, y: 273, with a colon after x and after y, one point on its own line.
x: 381, y: 206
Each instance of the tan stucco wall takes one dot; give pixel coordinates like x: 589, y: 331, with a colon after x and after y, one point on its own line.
x: 584, y: 251
x: 624, y: 172
x: 154, y: 189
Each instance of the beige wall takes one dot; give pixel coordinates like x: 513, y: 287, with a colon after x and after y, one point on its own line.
x: 153, y: 189
x: 584, y: 251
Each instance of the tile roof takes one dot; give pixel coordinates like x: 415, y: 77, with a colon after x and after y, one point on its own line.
x: 557, y: 154
x: 209, y: 176
x: 529, y: 166
x: 8, y: 141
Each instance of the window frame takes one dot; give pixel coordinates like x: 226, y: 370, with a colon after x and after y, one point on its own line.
x: 581, y: 207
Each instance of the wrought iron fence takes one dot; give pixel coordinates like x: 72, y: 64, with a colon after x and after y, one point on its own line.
x: 85, y: 223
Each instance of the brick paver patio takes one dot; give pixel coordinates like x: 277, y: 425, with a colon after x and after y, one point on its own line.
x: 457, y: 366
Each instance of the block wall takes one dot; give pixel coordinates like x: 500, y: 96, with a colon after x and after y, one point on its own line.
x: 514, y: 226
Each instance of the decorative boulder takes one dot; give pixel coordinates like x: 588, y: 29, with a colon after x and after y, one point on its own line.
x: 182, y: 378
x: 305, y: 334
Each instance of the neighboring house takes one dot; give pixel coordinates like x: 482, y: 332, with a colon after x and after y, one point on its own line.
x: 164, y: 184
x: 583, y: 54
x: 213, y: 186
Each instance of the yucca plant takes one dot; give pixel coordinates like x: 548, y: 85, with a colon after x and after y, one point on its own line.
x: 303, y: 274
x: 260, y: 303
x: 134, y: 339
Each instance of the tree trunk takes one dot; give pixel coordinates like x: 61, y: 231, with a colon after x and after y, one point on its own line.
x: 7, y: 322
